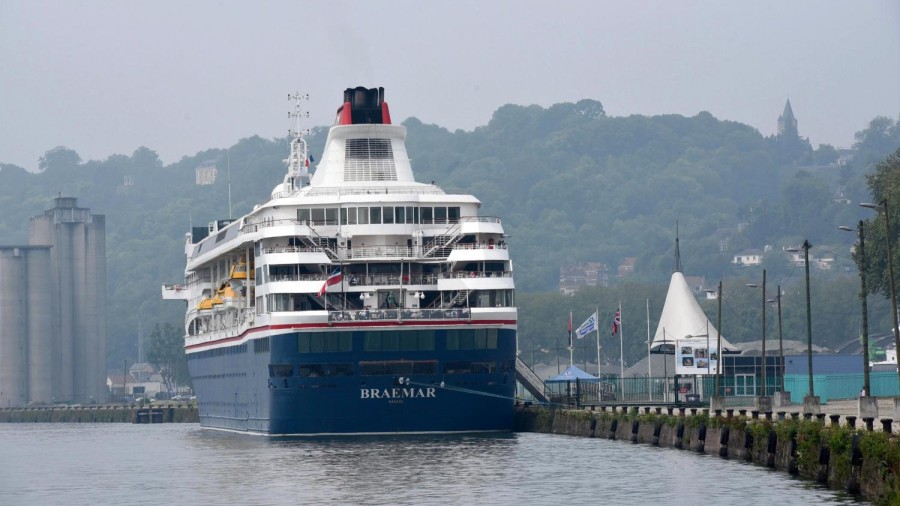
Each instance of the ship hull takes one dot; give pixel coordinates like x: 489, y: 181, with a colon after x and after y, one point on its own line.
x: 266, y: 385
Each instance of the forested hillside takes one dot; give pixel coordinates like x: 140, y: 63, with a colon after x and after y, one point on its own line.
x: 571, y: 184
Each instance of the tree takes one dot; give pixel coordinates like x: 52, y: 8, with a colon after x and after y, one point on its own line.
x: 884, y: 185
x: 166, y: 353
x: 59, y: 158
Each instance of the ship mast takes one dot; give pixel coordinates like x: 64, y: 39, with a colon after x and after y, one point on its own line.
x: 298, y: 160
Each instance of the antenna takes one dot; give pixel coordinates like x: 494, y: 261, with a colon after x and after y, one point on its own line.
x: 677, y: 250
x: 228, y: 165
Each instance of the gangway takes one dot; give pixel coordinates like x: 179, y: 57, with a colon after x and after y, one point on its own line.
x: 531, y: 381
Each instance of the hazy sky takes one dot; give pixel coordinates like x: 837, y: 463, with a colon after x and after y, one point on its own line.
x: 104, y: 77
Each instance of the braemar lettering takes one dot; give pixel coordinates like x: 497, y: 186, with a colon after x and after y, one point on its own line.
x: 396, y: 393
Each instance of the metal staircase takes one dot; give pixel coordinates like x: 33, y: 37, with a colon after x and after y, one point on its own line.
x: 530, y: 380
x: 460, y: 297
x: 439, y: 245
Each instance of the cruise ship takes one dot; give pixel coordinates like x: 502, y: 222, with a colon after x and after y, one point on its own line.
x: 355, y: 300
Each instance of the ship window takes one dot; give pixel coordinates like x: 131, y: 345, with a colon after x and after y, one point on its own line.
x: 351, y: 216
x: 261, y: 345
x: 440, y: 215
x: 407, y: 340
x: 375, y: 215
x: 281, y: 370
x: 323, y: 370
x: 427, y: 215
x: 478, y: 339
x: 396, y: 368
x: 331, y: 216
x: 470, y: 367
x: 318, y: 216
x: 412, y: 214
x: 343, y: 216
x: 363, y: 215
x: 324, y: 342
x: 303, y: 216
x: 388, y: 215
x: 399, y: 215
x: 453, y: 214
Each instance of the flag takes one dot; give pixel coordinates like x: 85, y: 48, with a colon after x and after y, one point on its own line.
x: 333, y: 279
x: 617, y: 321
x: 571, y: 345
x: 589, y: 325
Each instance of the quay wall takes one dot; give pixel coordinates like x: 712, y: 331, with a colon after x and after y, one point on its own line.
x: 102, y: 413
x: 859, y: 461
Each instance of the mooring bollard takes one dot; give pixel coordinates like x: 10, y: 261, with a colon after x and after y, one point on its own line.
x: 718, y: 413
x: 681, y: 412
x: 729, y: 413
x: 658, y: 410
x: 742, y: 412
x: 807, y: 416
x: 870, y: 425
x: 693, y: 411
x: 754, y: 414
x: 769, y: 416
x: 670, y: 411
x: 851, y: 421
x: 795, y: 415
x: 886, y: 424
x: 835, y: 420
x: 781, y: 415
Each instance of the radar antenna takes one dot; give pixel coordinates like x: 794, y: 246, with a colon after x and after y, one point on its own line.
x: 299, y: 159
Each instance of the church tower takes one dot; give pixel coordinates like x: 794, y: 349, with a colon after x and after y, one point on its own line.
x: 787, y: 123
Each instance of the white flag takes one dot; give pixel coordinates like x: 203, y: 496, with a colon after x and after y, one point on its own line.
x: 589, y: 325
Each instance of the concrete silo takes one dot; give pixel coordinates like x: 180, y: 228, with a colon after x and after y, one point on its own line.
x: 13, y: 328
x: 78, y: 284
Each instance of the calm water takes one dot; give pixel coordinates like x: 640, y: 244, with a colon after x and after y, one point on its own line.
x: 182, y: 464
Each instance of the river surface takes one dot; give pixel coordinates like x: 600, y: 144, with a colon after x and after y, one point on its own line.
x: 80, y: 464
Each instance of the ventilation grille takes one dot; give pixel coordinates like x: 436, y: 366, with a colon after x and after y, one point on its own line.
x: 369, y: 160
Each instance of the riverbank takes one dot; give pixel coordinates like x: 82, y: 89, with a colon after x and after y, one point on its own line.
x: 836, y: 455
x: 160, y: 412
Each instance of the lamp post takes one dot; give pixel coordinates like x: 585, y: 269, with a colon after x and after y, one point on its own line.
x: 862, y: 297
x: 762, y: 401
x: 888, y: 240
x: 777, y: 300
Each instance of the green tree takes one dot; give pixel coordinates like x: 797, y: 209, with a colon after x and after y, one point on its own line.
x: 166, y: 353
x: 884, y: 185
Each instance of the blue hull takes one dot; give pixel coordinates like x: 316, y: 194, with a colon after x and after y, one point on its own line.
x: 359, y: 382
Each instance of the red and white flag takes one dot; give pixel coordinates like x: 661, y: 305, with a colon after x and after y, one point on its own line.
x: 617, y: 321
x: 333, y: 279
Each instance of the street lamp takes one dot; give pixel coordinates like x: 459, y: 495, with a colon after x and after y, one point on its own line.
x: 888, y: 240
x: 762, y: 401
x: 810, y: 402
x: 862, y: 297
x: 777, y: 300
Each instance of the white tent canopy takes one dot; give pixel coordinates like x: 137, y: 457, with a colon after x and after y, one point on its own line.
x: 682, y: 317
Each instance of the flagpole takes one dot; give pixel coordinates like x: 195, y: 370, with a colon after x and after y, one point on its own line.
x: 571, y: 344
x: 649, y: 367
x: 597, y: 326
x: 621, y: 353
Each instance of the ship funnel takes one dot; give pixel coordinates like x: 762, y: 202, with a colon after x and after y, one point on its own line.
x: 364, y: 106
